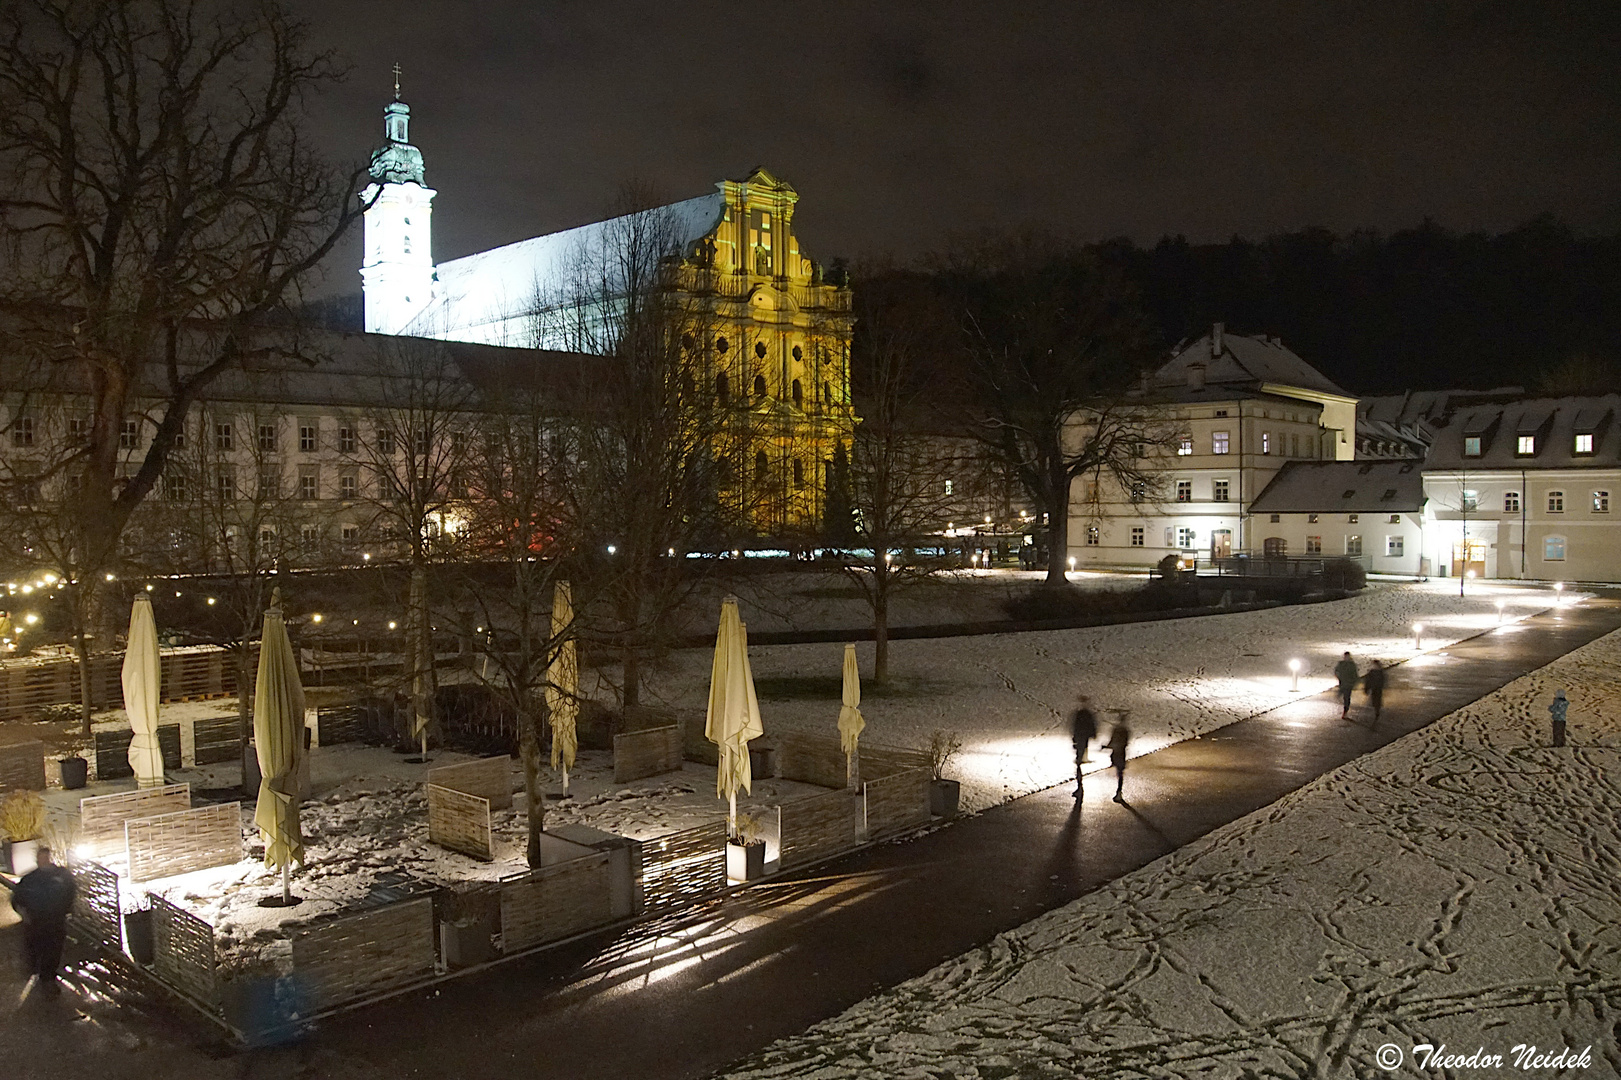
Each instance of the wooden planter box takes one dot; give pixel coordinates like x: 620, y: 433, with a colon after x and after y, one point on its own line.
x: 745, y: 862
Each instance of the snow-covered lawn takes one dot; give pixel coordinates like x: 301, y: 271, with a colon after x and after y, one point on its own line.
x: 1008, y: 695
x: 1461, y: 886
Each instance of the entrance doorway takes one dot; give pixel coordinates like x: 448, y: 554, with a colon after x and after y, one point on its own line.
x: 1221, y: 543
x: 1467, y: 556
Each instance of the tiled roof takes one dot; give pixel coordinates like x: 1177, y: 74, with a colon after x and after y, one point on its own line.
x: 1244, y: 360
x: 1321, y: 487
x: 1553, y: 422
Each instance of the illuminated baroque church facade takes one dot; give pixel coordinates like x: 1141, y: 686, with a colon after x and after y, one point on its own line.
x: 773, y: 362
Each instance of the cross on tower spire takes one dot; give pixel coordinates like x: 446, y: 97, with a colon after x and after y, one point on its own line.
x: 396, y: 81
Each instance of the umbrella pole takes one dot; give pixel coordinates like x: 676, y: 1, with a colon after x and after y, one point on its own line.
x: 565, y: 779
x: 424, y: 744
x: 731, y: 814
x: 286, y: 884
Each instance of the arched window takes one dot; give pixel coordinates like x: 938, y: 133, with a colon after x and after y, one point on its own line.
x: 799, y: 395
x: 762, y: 465
x: 759, y: 386
x: 723, y: 389
x: 759, y: 349
x: 799, y: 473
x: 827, y: 393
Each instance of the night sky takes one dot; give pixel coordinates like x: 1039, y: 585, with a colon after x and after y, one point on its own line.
x: 901, y: 124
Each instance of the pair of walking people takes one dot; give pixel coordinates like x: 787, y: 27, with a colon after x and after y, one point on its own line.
x: 1373, y: 684
x: 1083, y: 729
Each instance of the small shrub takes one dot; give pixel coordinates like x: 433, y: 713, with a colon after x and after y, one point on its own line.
x: 1346, y: 574
x: 1170, y: 566
x: 60, y: 714
x: 22, y: 815
x: 943, y: 746
x: 750, y: 830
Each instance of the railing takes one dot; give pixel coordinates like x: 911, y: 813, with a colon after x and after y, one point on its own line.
x: 1252, y: 564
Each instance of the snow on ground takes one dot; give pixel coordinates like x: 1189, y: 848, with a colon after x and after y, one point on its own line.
x: 1461, y: 886
x: 1009, y: 695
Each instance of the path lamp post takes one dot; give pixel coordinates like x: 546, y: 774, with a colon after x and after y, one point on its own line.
x: 1294, y: 676
x: 1558, y: 593
x: 1499, y: 613
x: 1418, y: 636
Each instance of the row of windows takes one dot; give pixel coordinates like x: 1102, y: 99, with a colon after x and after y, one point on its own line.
x: 1350, y: 519
x: 723, y: 390
x: 177, y: 487
x: 1221, y: 442
x: 1556, y: 501
x: 1526, y: 445
x: 267, y: 436
x: 1220, y: 491
x: 1395, y: 546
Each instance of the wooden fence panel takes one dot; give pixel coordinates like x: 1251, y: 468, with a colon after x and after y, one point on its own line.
x: 680, y: 867
x: 646, y: 753
x: 22, y: 766
x: 112, y: 751
x: 353, y: 956
x: 339, y: 725
x: 184, y: 841
x: 878, y: 760
x: 488, y: 778
x: 555, y: 902
x: 459, y: 821
x: 817, y: 826
x: 183, y: 952
x: 811, y: 759
x: 102, y: 817
x: 897, y: 802
x: 217, y: 740
x: 96, y: 908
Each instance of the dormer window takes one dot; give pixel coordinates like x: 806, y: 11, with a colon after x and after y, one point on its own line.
x: 1584, y: 444
x: 1471, y: 446
x: 1525, y: 445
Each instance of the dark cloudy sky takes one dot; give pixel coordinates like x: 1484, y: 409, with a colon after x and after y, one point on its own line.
x: 900, y: 123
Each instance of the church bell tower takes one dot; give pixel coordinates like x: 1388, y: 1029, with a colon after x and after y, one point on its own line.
x: 397, y: 271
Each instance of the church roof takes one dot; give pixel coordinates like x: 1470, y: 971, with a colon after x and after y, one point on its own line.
x: 1236, y: 359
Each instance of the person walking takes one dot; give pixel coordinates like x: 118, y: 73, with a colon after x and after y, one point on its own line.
x: 1083, y: 729
x: 1345, y: 671
x: 1373, y: 684
x: 43, y: 899
x: 1118, y: 738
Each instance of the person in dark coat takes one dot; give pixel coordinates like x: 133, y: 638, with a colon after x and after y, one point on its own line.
x: 1373, y: 684
x: 1118, y: 738
x: 1083, y: 729
x: 43, y: 899
x: 1345, y: 671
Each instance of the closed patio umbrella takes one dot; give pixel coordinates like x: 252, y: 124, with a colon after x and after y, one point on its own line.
x: 278, y: 732
x: 851, y: 722
x: 141, y: 677
x: 734, y: 711
x: 563, y: 685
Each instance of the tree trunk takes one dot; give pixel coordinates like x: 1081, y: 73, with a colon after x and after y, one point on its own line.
x: 880, y: 626
x: 82, y: 652
x: 421, y: 656
x: 633, y: 676
x: 245, y: 690
x: 1058, y: 532
x: 534, y: 798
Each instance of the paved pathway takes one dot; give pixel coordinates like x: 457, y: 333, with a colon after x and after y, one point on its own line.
x: 685, y: 997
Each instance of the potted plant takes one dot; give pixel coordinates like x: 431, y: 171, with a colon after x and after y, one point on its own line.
x: 22, y: 819
x: 467, y: 921
x: 138, y: 935
x: 943, y: 793
x: 75, y: 772
x: 745, y: 850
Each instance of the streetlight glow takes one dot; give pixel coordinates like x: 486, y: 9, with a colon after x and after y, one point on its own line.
x: 1294, y: 676
x: 1418, y: 636
x: 316, y: 617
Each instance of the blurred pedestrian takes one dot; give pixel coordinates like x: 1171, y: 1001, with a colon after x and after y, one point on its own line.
x: 1118, y: 738
x: 43, y: 899
x: 1373, y: 684
x: 1345, y: 671
x: 1083, y: 729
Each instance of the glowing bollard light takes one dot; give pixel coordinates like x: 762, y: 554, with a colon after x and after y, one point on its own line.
x: 1499, y: 613
x: 1418, y: 636
x: 1558, y: 592
x: 1072, y: 564
x: 1294, y: 676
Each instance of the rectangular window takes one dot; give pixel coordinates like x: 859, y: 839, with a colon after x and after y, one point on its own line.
x: 1556, y: 502
x: 179, y: 437
x: 129, y: 435
x: 420, y: 443
x: 1471, y: 446
x: 1584, y: 444
x: 1353, y: 545
x: 385, y: 442
x: 1353, y: 518
x: 351, y: 532
x: 1553, y: 548
x: 309, y: 482
x: 1184, y: 446
x: 1394, y: 546
x: 267, y: 438
x: 1471, y: 500
x: 174, y: 487
x: 1511, y: 502
x: 223, y: 439
x: 1266, y: 442
x: 1184, y: 539
x: 1395, y: 519
x: 78, y: 431
x: 1219, y: 490
x: 225, y: 484
x: 1219, y: 442
x: 1220, y: 413
x: 1170, y: 536
x: 1601, y: 502
x: 269, y: 484
x: 346, y: 440
x: 310, y: 534
x: 1184, y: 491
x: 308, y: 436
x: 1138, y: 536
x: 22, y: 431
x: 1093, y: 536
x: 1277, y: 518
x: 349, y: 486
x: 1526, y: 444
x: 1139, y: 491
x: 948, y: 487
x: 1311, y: 519
x: 1314, y: 545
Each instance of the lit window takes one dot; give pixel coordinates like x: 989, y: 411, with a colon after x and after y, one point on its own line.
x: 1184, y: 445
x: 1395, y: 519
x: 1601, y: 502
x: 1093, y: 536
x: 1219, y: 490
x: 1471, y: 500
x: 1219, y: 442
x: 1526, y: 444
x: 1394, y: 546
x: 949, y: 486
x: 1553, y: 548
x: 1314, y: 545
x: 1353, y: 545
x: 1138, y: 536
x: 1471, y: 446
x: 1184, y: 491
x: 1311, y: 519
x: 1353, y: 518
x: 1511, y: 502
x: 1556, y: 502
x: 1584, y: 444
x: 1266, y: 442
x: 1184, y: 539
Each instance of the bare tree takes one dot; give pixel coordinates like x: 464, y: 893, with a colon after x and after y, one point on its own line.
x: 159, y: 204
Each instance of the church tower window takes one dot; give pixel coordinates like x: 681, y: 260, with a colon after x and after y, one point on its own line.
x: 799, y: 473
x: 723, y: 389
x: 721, y: 345
x: 759, y: 386
x: 799, y: 395
x: 759, y: 349
x: 799, y: 354
x: 762, y: 465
